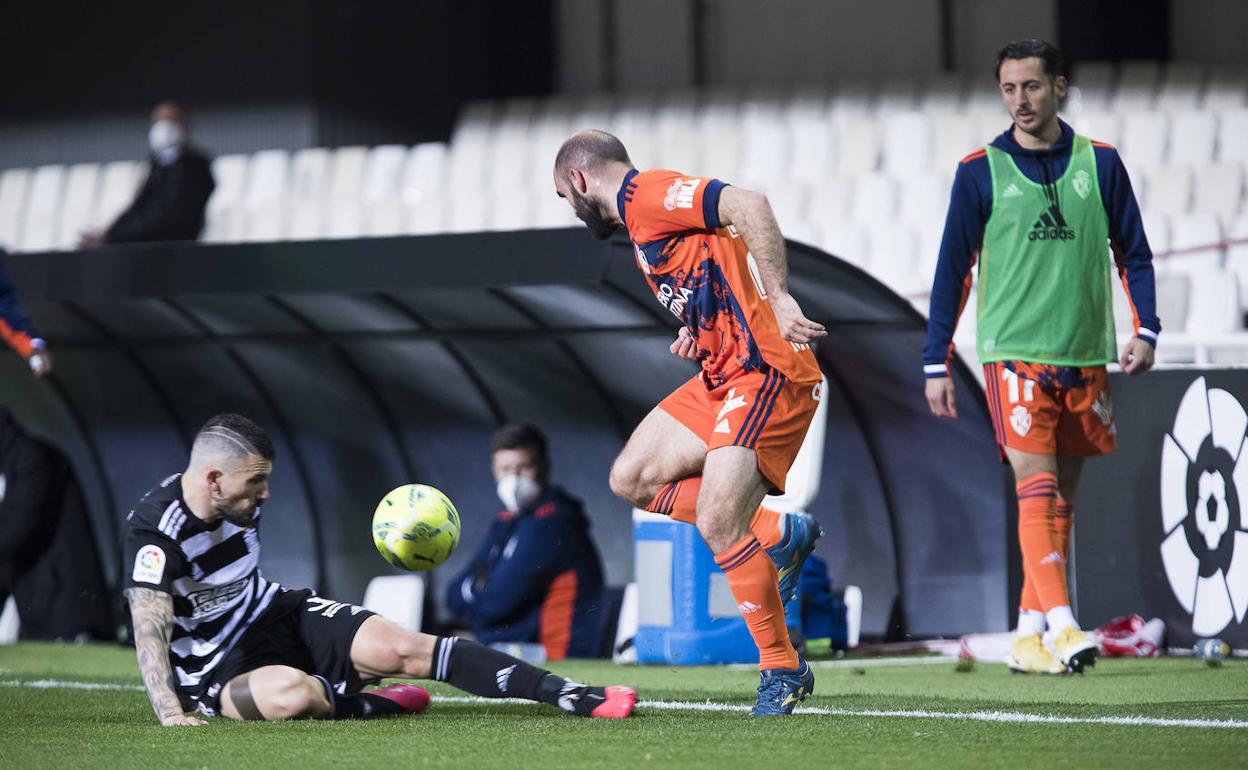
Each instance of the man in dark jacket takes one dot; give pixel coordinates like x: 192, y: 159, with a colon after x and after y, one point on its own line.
x: 170, y: 205
x: 537, y: 576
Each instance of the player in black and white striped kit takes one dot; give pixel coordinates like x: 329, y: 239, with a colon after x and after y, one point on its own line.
x: 214, y: 636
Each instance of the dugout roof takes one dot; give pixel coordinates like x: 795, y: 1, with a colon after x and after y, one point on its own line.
x: 375, y: 362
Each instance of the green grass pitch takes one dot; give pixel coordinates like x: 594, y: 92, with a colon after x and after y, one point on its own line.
x: 60, y: 727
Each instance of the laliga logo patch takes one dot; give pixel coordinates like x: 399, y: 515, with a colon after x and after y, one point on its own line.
x: 149, y: 564
x: 1082, y: 183
x: 1020, y: 420
x: 1205, y: 550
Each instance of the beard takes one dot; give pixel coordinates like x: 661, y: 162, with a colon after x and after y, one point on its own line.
x: 590, y: 212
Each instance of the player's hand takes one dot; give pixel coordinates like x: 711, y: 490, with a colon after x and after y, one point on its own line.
x: 940, y: 397
x: 684, y: 346
x: 1137, y: 356
x: 181, y: 719
x: 40, y: 363
x: 794, y: 326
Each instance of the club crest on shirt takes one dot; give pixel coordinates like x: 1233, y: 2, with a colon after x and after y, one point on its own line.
x: 1082, y: 183
x: 680, y: 194
x: 1020, y: 420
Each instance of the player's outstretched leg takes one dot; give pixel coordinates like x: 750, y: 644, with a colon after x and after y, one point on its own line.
x: 381, y: 649
x: 284, y: 692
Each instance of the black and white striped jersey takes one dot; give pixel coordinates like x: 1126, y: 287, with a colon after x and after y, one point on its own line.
x: 211, y: 570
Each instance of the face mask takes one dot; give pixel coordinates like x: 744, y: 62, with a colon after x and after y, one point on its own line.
x: 517, y: 492
x: 164, y: 135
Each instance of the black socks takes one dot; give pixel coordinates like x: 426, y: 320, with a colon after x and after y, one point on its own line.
x: 482, y: 671
x: 359, y: 706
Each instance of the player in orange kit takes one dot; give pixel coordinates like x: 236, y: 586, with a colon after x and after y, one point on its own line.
x: 710, y: 452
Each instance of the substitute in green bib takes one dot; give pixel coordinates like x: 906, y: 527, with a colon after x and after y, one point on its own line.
x: 1045, y: 218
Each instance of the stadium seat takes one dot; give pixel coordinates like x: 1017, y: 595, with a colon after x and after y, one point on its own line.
x: 309, y: 181
x: 829, y: 201
x: 14, y: 184
x: 81, y: 185
x: 1137, y: 86
x: 844, y: 239
x: 121, y: 180
x: 1214, y: 307
x: 1196, y: 240
x: 343, y: 192
x: 908, y: 145
x: 549, y: 210
x: 264, y: 196
x: 424, y: 188
x: 1173, y: 291
x: 382, y: 207
x: 894, y: 256
x: 851, y: 98
x: 1219, y: 190
x: 1144, y: 139
x: 874, y: 199
x: 925, y: 199
x: 43, y: 203
x: 510, y: 208
x: 790, y: 202
x: 942, y: 94
x: 989, y: 125
x: 398, y: 598
x: 1191, y: 137
x: 223, y: 218
x: 954, y: 136
x: 813, y: 147
x: 1237, y: 251
x: 1091, y: 85
x: 896, y: 95
x: 1182, y: 84
x: 1099, y: 126
x: 1157, y: 231
x: 1227, y: 88
x: 857, y: 145
x: 1169, y: 189
x: 474, y: 121
x: 1233, y: 137
x: 764, y: 147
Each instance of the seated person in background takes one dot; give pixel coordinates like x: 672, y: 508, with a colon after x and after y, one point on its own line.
x: 170, y: 205
x: 17, y: 330
x: 537, y: 576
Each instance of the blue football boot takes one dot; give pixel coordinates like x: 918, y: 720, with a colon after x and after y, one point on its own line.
x: 781, y: 689
x: 800, y: 533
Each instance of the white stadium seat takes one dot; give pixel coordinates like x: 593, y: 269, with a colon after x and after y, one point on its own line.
x: 14, y: 184
x: 1182, y: 86
x: 1191, y: 137
x: 1233, y: 136
x: 264, y: 196
x: 1169, y: 189
x: 1100, y: 126
x: 1091, y: 85
x: 1144, y: 138
x: 857, y: 145
x: 309, y: 182
x: 908, y: 142
x: 1219, y: 189
x: 1137, y: 86
x: 398, y: 598
x: 382, y: 208
x: 851, y: 98
x: 224, y: 218
x: 896, y: 95
x: 894, y: 256
x: 954, y: 136
x: 424, y: 189
x: 81, y: 185
x: 845, y: 239
x: 1156, y: 230
x: 874, y: 199
x: 942, y: 94
x: 1214, y: 306
x: 1173, y: 292
x: 1237, y: 251
x: 120, y: 181
x: 764, y: 148
x: 1227, y: 88
x: 925, y: 199
x: 790, y: 202
x: 813, y: 147
x: 42, y: 207
x: 829, y: 200
x: 1196, y: 240
x: 344, y: 186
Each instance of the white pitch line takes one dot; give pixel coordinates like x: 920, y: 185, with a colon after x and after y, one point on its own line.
x: 926, y: 660
x: 1015, y: 717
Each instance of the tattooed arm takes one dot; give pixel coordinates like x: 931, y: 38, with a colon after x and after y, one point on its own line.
x: 152, y: 613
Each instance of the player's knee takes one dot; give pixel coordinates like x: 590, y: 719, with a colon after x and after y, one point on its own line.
x: 626, y: 482
x: 716, y: 532
x: 293, y: 694
x: 415, y: 655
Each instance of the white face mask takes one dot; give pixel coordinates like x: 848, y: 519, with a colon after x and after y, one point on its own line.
x: 517, y: 492
x: 164, y: 135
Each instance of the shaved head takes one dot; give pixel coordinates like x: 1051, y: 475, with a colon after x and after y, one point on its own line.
x: 590, y: 150
x: 228, y: 441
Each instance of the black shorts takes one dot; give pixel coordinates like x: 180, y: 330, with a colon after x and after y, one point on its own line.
x: 303, y: 631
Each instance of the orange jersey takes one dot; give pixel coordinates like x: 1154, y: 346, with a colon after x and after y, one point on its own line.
x: 703, y: 273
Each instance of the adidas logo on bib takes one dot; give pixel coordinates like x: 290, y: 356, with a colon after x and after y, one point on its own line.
x: 1012, y: 191
x: 1051, y: 226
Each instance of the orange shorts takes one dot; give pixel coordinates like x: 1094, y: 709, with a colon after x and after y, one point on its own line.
x: 762, y: 410
x: 1046, y: 409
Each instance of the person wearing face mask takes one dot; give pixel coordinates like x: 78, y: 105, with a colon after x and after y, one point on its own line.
x: 170, y: 204
x: 536, y: 576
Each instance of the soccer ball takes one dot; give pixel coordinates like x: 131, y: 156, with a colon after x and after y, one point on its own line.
x: 415, y: 527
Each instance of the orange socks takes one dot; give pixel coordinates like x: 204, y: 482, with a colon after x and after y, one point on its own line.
x: 679, y: 500
x: 1063, y: 522
x: 1044, y: 552
x: 752, y: 580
